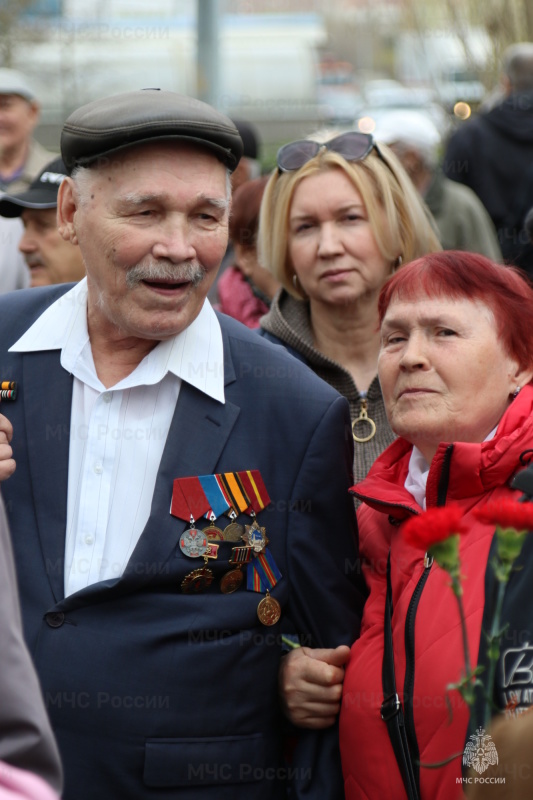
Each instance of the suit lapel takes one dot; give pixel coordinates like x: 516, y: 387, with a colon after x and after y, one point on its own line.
x: 47, y: 408
x: 198, y: 434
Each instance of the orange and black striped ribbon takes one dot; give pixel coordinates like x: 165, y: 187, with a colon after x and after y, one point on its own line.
x: 239, y: 500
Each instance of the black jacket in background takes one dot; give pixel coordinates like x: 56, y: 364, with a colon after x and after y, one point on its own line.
x: 492, y: 154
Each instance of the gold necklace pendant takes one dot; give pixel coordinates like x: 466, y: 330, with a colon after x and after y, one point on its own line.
x: 363, y: 417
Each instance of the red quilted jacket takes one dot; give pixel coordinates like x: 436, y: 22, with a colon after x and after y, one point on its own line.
x: 428, y: 652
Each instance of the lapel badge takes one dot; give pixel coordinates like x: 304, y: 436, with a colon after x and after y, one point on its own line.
x: 255, y: 537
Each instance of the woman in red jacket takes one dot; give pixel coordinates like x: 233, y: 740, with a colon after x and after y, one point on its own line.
x: 455, y: 367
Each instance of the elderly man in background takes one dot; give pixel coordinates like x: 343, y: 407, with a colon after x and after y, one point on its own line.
x: 21, y: 160
x: 180, y: 499
x: 21, y: 156
x: 49, y: 257
x: 462, y: 221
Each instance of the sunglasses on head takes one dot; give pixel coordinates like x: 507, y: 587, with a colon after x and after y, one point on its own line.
x: 352, y: 146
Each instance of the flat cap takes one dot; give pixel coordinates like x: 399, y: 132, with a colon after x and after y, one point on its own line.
x: 112, y: 124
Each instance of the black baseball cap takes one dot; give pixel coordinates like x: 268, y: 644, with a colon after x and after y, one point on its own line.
x: 107, y: 126
x: 41, y: 193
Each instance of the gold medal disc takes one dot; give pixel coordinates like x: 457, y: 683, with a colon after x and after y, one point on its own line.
x: 233, y: 532
x: 213, y: 533
x: 269, y: 610
x: 231, y: 581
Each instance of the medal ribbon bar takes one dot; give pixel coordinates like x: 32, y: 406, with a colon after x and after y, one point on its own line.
x: 218, y: 502
x: 188, y: 499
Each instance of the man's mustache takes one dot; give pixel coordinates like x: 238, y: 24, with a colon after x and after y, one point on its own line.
x: 164, y: 270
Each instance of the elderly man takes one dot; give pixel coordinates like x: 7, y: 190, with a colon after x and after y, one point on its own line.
x: 462, y: 220
x: 49, y: 257
x: 21, y: 157
x: 180, y: 498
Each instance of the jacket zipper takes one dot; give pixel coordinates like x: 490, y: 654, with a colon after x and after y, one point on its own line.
x: 409, y: 681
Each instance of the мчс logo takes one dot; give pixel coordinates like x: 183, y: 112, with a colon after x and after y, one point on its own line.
x: 480, y: 752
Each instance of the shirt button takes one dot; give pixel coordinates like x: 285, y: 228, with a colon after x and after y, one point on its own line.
x: 98, y: 468
x: 107, y: 397
x: 89, y: 539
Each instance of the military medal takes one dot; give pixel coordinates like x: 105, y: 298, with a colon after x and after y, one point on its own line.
x: 189, y: 503
x: 255, y: 537
x: 197, y: 581
x: 213, y: 533
x: 233, y: 532
x: 193, y: 542
x: 231, y: 581
x: 268, y: 610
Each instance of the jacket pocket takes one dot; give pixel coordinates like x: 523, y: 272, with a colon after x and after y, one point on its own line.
x: 204, y: 762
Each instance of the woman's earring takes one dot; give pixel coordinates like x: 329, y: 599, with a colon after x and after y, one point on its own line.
x: 295, y: 281
x: 397, y: 264
x: 516, y: 391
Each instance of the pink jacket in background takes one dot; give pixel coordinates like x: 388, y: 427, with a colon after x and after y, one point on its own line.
x: 18, y: 784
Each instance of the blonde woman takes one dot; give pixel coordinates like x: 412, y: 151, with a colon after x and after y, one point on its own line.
x: 339, y: 215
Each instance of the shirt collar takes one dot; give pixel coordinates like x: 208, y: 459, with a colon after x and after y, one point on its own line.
x: 196, y: 355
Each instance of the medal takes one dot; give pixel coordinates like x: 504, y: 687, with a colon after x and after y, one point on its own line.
x: 197, y: 581
x: 213, y: 533
x: 268, y: 610
x: 193, y: 542
x: 255, y: 537
x: 233, y: 532
x: 231, y: 581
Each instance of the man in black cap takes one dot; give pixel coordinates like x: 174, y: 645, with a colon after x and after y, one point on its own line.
x: 50, y: 258
x: 180, y: 499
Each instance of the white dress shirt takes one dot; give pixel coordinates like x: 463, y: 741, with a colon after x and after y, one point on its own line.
x: 117, y: 435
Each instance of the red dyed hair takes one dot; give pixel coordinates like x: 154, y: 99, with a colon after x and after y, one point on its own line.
x: 457, y: 275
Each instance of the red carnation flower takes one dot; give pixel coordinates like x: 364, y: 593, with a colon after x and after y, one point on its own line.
x: 434, y: 526
x: 507, y: 513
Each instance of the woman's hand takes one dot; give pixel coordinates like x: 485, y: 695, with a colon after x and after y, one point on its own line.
x: 310, y: 685
x: 7, y: 462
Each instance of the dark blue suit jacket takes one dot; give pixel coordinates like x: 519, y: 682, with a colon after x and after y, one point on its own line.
x: 154, y: 693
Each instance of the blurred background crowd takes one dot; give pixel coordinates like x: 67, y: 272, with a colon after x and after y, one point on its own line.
x: 436, y: 82
x: 446, y: 92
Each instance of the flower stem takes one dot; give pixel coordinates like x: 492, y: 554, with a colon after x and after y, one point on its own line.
x: 468, y: 686
x: 493, y: 651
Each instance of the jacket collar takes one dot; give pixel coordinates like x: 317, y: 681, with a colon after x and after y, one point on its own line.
x: 198, y: 434
x: 464, y: 470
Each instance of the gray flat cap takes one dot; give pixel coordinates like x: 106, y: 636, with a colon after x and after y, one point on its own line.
x: 112, y: 124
